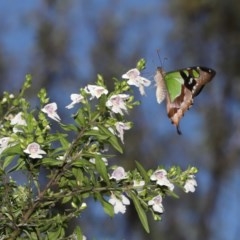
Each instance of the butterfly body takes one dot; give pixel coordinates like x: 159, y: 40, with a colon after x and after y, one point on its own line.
x: 179, y: 88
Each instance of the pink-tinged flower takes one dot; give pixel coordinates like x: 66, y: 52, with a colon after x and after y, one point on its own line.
x: 34, y: 150
x: 50, y: 109
x: 76, y: 98
x: 190, y: 184
x: 17, y: 121
x: 118, y: 174
x: 96, y: 91
x: 156, y: 204
x: 161, y: 177
x: 136, y: 79
x: 4, y: 143
x: 117, y: 103
x: 119, y: 205
x: 120, y: 127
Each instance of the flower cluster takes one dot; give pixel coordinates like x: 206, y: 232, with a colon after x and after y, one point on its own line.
x: 152, y: 198
x: 82, y: 164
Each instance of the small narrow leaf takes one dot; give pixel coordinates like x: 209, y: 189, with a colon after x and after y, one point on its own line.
x: 101, y: 167
x: 51, y: 162
x: 108, y: 208
x: 78, y: 233
x: 142, y: 171
x: 141, y: 213
x: 112, y: 139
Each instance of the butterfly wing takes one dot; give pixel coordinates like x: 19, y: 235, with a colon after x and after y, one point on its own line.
x: 161, y: 91
x: 182, y: 86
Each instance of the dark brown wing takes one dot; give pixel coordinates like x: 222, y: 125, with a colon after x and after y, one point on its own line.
x: 181, y: 104
x: 195, y: 79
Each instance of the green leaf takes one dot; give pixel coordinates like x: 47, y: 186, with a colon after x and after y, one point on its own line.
x: 58, y: 137
x: 112, y: 139
x: 69, y: 127
x: 8, y: 160
x: 64, y: 142
x: 80, y: 117
x: 57, y: 234
x: 101, y: 168
x: 66, y: 199
x: 142, y: 171
x: 13, y: 150
x: 81, y: 163
x: 97, y: 134
x: 141, y: 213
x: 19, y: 165
x: 51, y: 162
x: 78, y: 174
x: 78, y: 233
x: 174, y: 82
x: 108, y: 207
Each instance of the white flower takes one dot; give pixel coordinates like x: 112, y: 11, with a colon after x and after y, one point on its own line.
x: 18, y: 120
x: 161, y: 177
x: 156, y: 204
x: 96, y: 91
x: 50, y: 109
x: 117, y: 103
x: 118, y: 174
x: 190, y: 184
x: 135, y: 79
x: 76, y: 98
x: 4, y: 143
x: 34, y: 150
x: 120, y: 127
x: 119, y: 205
x: 93, y: 160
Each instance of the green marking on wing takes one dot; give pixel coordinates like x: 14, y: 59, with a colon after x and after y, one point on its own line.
x: 174, y: 82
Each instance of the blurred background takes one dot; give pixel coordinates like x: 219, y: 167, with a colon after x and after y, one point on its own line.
x: 64, y: 44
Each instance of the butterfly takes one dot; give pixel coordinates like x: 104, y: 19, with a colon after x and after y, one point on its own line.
x: 179, y: 88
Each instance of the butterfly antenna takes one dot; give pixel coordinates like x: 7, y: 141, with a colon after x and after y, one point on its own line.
x: 160, y: 59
